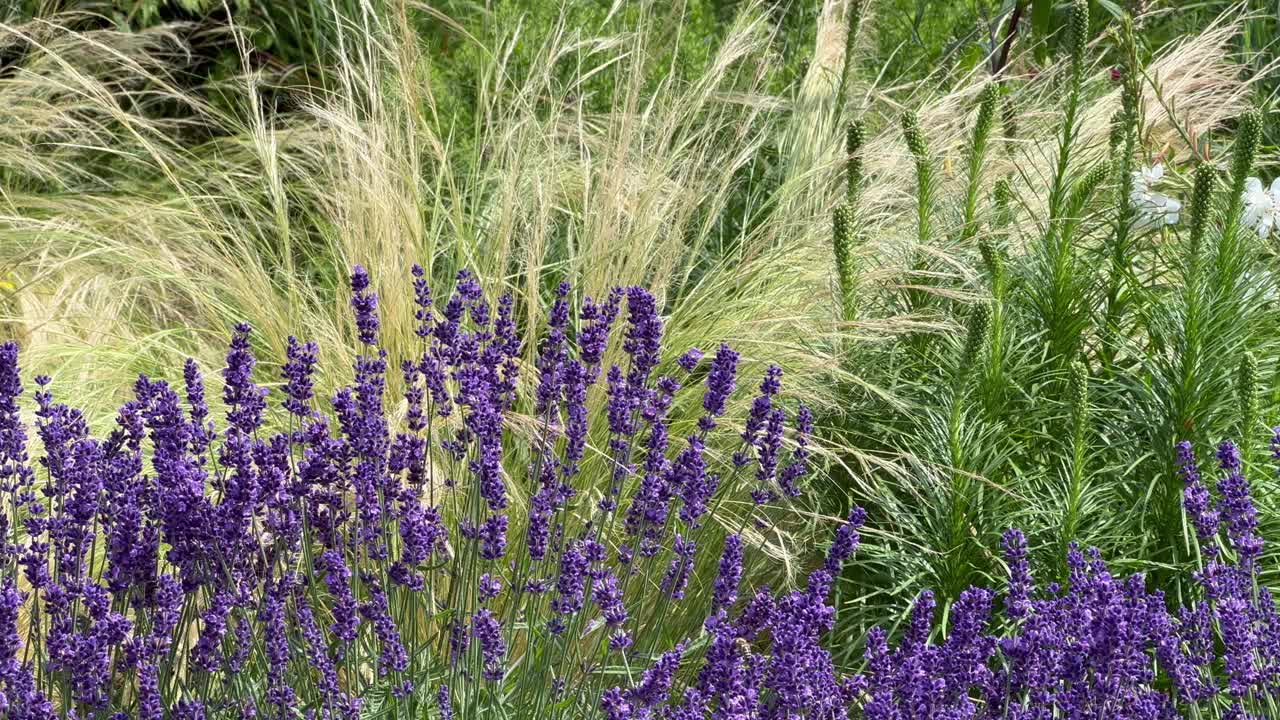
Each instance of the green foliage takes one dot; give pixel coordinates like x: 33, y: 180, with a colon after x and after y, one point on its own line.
x: 1015, y: 345
x: 1109, y: 329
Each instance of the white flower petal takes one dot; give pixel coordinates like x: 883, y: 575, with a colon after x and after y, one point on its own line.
x: 1253, y: 185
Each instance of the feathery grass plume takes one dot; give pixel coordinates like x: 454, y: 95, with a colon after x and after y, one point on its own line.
x: 843, y: 236
x: 152, y: 256
x: 131, y: 267
x: 977, y: 156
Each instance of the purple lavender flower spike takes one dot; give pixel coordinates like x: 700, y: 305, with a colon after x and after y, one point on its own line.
x: 615, y: 706
x: 189, y: 710
x: 1196, y: 500
x: 570, y: 586
x: 422, y: 302
x: 1237, y: 509
x: 203, y: 432
x: 761, y: 407
x: 490, y: 587
x: 245, y: 400
x: 655, y: 684
x: 721, y: 382
x: 725, y: 592
x: 279, y: 693
x: 317, y: 654
x: 365, y: 304
x: 846, y: 541
x: 493, y: 648
x: 493, y: 538
x: 607, y: 595
x: 346, y: 619
x: 643, y: 341
x: 298, y: 368
x: 538, y: 531
x: 696, y: 485
x: 690, y: 359
x: 799, y: 467
x: 207, y: 654
x: 677, y: 576
x: 444, y: 703
x: 1018, y: 599
x: 15, y: 475
x: 393, y: 657
x: 552, y: 353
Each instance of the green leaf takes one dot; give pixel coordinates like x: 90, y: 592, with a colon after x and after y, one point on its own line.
x: 1113, y: 8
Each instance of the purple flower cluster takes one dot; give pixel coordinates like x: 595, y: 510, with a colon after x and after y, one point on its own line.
x: 321, y: 560
x: 310, y: 554
x: 1098, y: 645
x: 741, y: 675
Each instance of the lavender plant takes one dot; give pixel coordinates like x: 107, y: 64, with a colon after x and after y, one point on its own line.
x: 362, y: 562
x: 1097, y: 645
x: 353, y: 564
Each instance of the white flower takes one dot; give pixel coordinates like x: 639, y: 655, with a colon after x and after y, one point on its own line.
x: 1261, y: 207
x: 1154, y: 209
